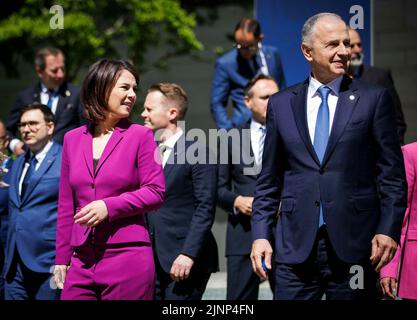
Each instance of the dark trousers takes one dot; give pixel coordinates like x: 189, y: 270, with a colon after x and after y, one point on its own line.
x: 24, y: 284
x: 191, y: 288
x: 242, y: 282
x: 324, y: 273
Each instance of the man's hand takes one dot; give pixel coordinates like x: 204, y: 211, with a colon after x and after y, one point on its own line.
x: 389, y: 287
x: 244, y: 205
x: 383, y: 250
x: 92, y: 214
x: 60, y: 272
x: 261, y: 248
x: 181, y: 268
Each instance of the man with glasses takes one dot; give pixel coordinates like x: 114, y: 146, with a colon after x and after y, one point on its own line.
x: 237, y: 67
x: 52, y: 90
x: 5, y: 166
x: 33, y: 202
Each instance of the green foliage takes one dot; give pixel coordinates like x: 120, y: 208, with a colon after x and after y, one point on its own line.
x: 94, y: 29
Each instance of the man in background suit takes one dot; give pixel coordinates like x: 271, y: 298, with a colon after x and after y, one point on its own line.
x: 236, y: 190
x: 6, y: 165
x: 53, y: 90
x: 184, y: 247
x: 33, y: 202
x: 334, y: 161
x: 237, y: 67
x: 376, y: 76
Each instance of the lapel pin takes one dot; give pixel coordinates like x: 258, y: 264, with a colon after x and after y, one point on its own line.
x: 67, y: 93
x: 352, y: 97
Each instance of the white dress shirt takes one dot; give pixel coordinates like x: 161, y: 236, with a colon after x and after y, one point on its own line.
x: 170, y: 143
x: 255, y: 136
x: 314, y: 101
x: 45, y: 98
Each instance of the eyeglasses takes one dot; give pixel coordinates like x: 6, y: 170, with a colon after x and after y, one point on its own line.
x: 33, y: 125
x: 251, y: 48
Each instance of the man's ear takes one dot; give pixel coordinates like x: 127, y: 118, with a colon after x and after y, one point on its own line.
x: 173, y: 113
x: 51, y: 127
x: 39, y: 71
x: 246, y: 100
x: 261, y: 37
x: 306, y: 52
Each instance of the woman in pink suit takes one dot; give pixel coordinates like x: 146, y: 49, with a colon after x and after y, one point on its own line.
x: 109, y: 179
x: 401, y: 273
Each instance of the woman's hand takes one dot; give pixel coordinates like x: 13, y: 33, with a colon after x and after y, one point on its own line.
x: 60, y: 272
x: 389, y: 287
x: 92, y: 214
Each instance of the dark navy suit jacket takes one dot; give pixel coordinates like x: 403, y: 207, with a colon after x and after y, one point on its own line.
x: 68, y: 114
x: 32, y: 219
x: 233, y: 181
x: 360, y: 183
x: 231, y: 75
x: 183, y: 224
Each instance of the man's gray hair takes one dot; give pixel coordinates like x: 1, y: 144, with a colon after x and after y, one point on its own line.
x: 311, y: 22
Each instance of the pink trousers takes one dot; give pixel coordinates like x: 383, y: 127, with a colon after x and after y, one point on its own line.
x: 111, y: 272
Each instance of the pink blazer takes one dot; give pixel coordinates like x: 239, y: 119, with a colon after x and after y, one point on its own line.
x: 127, y: 179
x: 408, y: 277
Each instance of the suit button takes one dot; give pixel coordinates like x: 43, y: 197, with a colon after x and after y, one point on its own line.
x: 321, y: 171
x: 317, y: 203
x: 92, y: 186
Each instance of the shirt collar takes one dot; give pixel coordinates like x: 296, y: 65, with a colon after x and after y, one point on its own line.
x: 44, y: 89
x: 255, y: 125
x: 171, y: 141
x: 41, y: 155
x: 334, y: 85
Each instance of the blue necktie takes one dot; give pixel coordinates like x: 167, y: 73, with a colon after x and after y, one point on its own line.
x: 52, y: 95
x: 29, y: 173
x: 261, y: 143
x: 321, y: 134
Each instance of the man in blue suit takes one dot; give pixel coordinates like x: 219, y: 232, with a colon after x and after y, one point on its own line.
x: 53, y: 90
x: 33, y: 202
x: 333, y: 158
x: 237, y: 187
x: 6, y: 165
x: 184, y: 247
x: 236, y: 68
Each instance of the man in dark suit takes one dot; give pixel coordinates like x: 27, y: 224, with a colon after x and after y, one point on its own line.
x: 237, y: 187
x: 184, y: 247
x: 5, y: 167
x: 236, y: 68
x: 33, y: 202
x: 376, y: 76
x: 53, y: 90
x: 334, y: 160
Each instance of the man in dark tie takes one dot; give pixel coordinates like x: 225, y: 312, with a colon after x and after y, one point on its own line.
x: 236, y: 189
x: 334, y: 167
x: 236, y: 68
x: 33, y: 203
x: 53, y: 90
x: 184, y: 247
x: 358, y: 70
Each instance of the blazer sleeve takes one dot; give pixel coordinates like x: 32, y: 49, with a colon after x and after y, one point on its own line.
x: 150, y: 195
x: 390, y: 170
x: 226, y: 196
x: 66, y: 210
x: 204, y: 181
x: 220, y: 92
x: 392, y: 268
x: 269, y: 182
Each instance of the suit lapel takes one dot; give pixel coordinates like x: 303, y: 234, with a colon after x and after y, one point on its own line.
x: 114, y: 140
x: 43, y: 168
x: 299, y: 108
x: 348, y: 98
x: 14, y: 183
x: 87, y: 147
